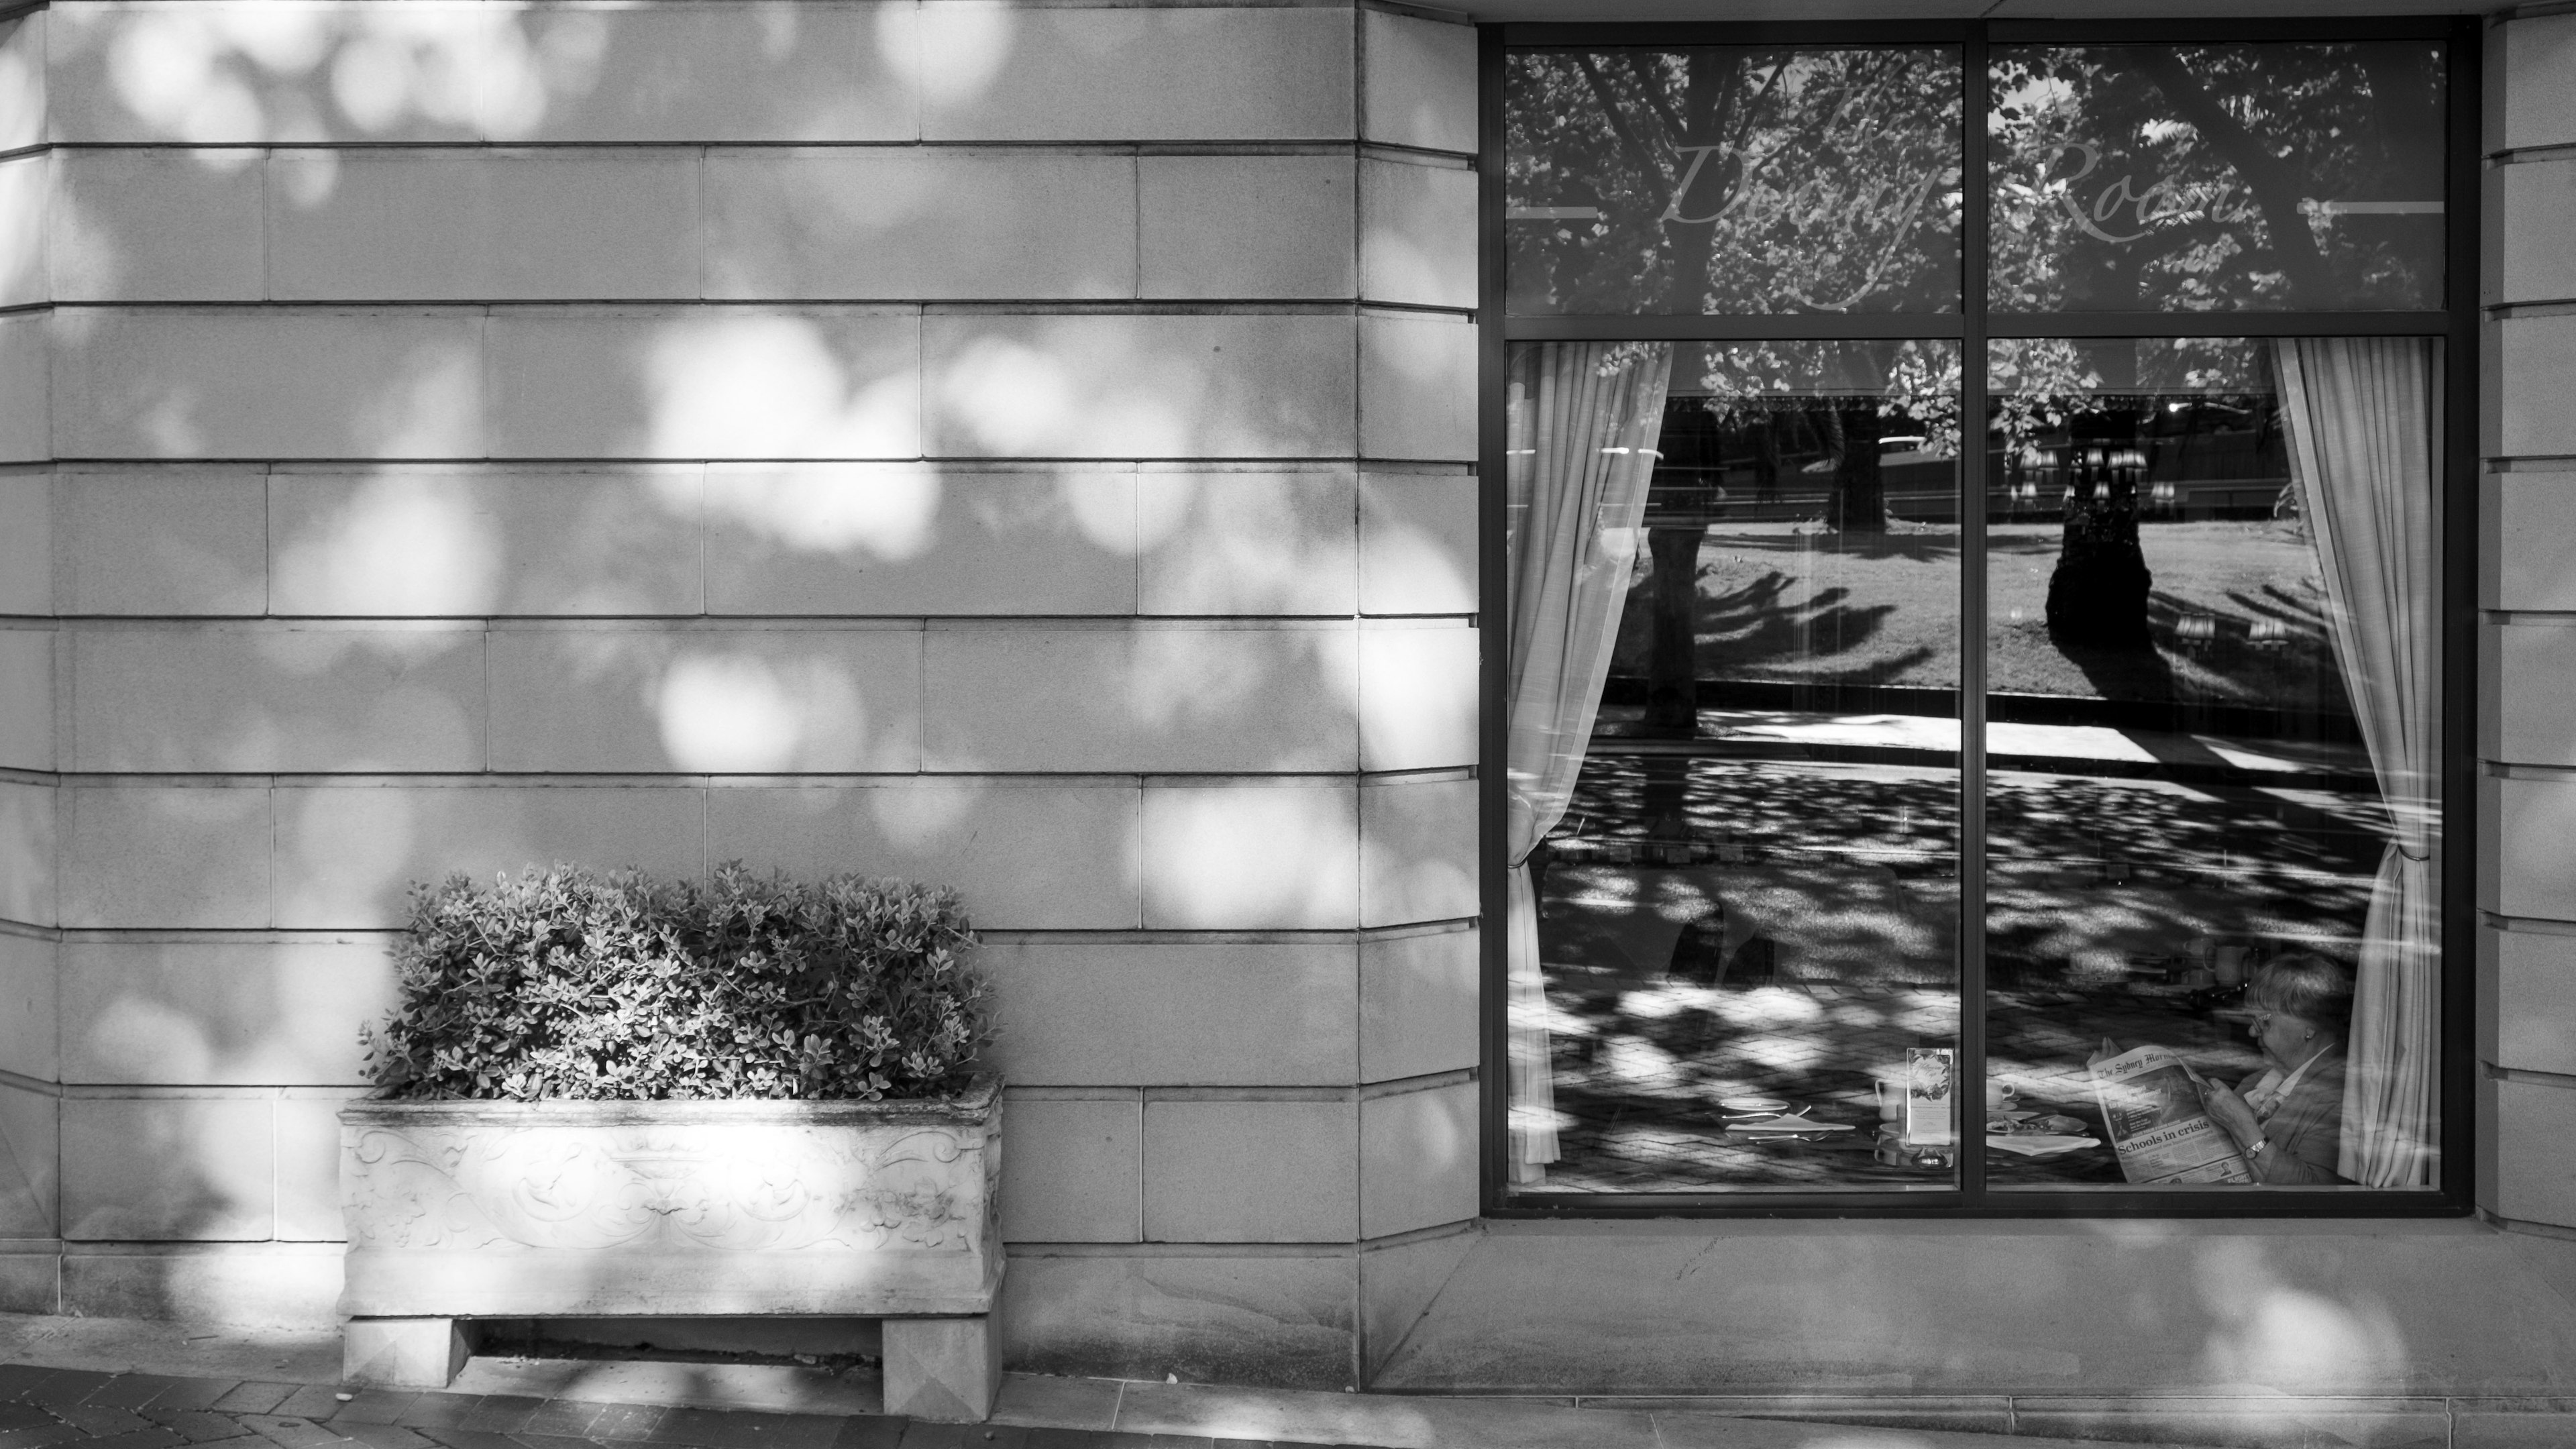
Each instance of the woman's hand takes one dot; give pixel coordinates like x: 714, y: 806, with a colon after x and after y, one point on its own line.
x: 2229, y: 1111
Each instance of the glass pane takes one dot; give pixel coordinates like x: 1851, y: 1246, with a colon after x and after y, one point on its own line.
x: 2217, y: 177
x: 1732, y: 179
x: 2213, y: 811
x: 1734, y: 944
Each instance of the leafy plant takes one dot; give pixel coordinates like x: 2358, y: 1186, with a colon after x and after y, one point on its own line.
x: 566, y: 983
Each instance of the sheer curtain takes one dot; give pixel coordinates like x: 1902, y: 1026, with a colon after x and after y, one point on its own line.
x: 2363, y: 417
x: 1583, y: 421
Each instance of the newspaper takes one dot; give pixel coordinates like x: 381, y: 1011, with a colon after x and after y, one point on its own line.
x: 2151, y: 1108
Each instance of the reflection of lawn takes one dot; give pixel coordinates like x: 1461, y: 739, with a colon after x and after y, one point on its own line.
x: 1779, y: 601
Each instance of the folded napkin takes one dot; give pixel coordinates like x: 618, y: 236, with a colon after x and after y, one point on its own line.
x: 2041, y: 1144
x: 1787, y: 1123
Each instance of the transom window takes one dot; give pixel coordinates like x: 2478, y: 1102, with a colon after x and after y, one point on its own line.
x: 1981, y: 511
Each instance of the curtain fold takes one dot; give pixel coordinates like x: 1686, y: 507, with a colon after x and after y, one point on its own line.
x: 2363, y: 417
x: 1583, y: 420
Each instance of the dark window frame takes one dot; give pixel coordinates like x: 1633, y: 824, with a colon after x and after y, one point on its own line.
x: 2457, y: 323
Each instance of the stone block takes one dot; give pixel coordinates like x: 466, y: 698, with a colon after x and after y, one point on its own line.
x: 183, y: 383
x: 403, y: 1353
x: 913, y: 224
x: 324, y: 698
x: 177, y: 540
x: 308, y: 1163
x: 490, y: 539
x: 1418, y: 82
x: 1145, y: 699
x: 30, y: 1162
x: 1266, y: 1319
x: 2535, y: 1001
x: 1419, y: 695
x: 249, y: 1285
x: 223, y: 1013
x: 2534, y: 103
x: 27, y: 533
x: 483, y: 224
x: 2527, y: 871
x: 1417, y: 386
x: 27, y: 420
x: 157, y: 226
x: 2536, y: 214
x: 1242, y: 385
x: 749, y: 701
x: 27, y: 698
x: 2535, y: 358
x: 1419, y: 1004
x: 2534, y: 669
x: 1418, y: 1159
x: 713, y: 72
x: 1418, y: 543
x: 945, y: 1370
x: 125, y: 74
x: 1244, y: 227
x: 909, y: 538
x: 25, y: 191
x: 1271, y: 856
x: 1175, y: 1014
x: 30, y: 836
x: 645, y: 383
x: 1072, y: 1171
x: 175, y: 856
x: 30, y: 988
x: 22, y: 81
x: 1246, y: 543
x: 1000, y: 72
x: 1398, y: 1283
x: 1033, y: 854
x: 1418, y: 234
x: 1418, y: 851
x: 345, y: 855
x: 183, y: 1169
x: 1238, y: 1171
x: 2535, y: 1180
x: 2524, y: 564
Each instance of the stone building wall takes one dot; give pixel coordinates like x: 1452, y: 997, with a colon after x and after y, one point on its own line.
x: 1025, y: 448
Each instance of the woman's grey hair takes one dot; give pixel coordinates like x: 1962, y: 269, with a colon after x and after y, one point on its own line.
x: 2305, y: 985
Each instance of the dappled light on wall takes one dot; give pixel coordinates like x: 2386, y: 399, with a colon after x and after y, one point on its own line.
x: 401, y: 546
x: 887, y: 512
x: 732, y: 714
x: 770, y: 387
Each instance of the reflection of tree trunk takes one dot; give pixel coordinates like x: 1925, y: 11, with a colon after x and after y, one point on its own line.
x: 1766, y: 459
x: 2276, y: 184
x: 1672, y: 662
x: 2098, y: 594
x: 1858, y: 504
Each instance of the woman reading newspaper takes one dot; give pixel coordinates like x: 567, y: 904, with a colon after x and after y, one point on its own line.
x: 2281, y: 1126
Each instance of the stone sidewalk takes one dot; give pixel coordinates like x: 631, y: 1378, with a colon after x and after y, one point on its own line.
x: 122, y: 1384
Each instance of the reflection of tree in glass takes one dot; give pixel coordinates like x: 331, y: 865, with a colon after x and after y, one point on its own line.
x: 1733, y: 179
x: 2222, y: 176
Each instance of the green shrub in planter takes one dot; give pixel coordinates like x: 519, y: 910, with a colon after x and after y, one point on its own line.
x: 564, y: 983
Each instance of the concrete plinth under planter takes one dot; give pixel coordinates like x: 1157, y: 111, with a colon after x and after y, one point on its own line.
x: 463, y: 1210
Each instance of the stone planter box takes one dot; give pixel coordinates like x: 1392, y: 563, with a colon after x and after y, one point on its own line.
x: 463, y: 1210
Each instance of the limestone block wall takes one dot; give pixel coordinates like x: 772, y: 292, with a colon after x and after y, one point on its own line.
x: 1027, y: 448
x: 2527, y: 582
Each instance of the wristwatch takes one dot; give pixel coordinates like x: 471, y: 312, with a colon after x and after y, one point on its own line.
x: 2255, y: 1148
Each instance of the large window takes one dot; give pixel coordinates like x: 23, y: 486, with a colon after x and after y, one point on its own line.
x: 1980, y: 510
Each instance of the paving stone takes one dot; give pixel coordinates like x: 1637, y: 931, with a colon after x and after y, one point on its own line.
x: 132, y: 1391
x: 382, y: 1436
x: 16, y: 1378
x: 621, y: 1422
x: 289, y: 1433
x: 23, y: 1416
x: 254, y: 1397
x: 715, y: 1429
x: 438, y: 1411
x: 469, y: 1438
x: 869, y: 1431
x: 65, y: 1386
x: 552, y: 1441
x: 100, y: 1420
x: 501, y: 1413
x: 145, y: 1438
x: 52, y: 1431
x: 374, y: 1406
x: 193, y: 1393
x: 197, y: 1426
x: 560, y: 1419
x: 965, y: 1436
x: 316, y: 1402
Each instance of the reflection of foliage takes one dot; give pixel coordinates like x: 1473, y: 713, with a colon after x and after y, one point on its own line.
x: 1912, y: 383
x: 2198, y: 177
x: 1735, y: 179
